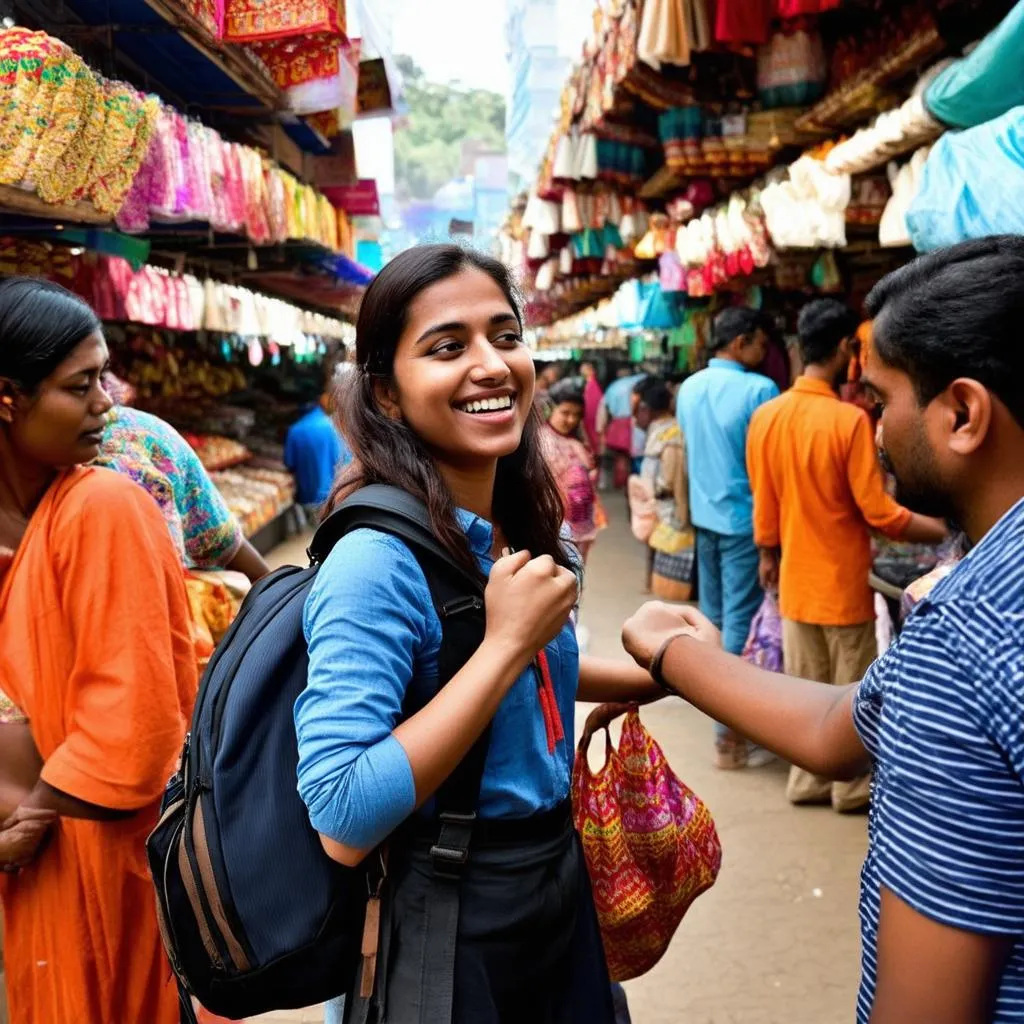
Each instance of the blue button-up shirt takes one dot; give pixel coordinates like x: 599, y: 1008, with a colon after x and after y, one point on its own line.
x: 373, y: 636
x: 714, y: 409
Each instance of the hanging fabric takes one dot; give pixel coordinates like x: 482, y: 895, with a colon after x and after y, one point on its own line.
x: 664, y: 33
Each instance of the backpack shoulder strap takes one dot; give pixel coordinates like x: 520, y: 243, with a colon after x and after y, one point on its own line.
x: 392, y: 510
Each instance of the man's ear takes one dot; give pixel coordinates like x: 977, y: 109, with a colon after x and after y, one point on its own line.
x: 967, y: 410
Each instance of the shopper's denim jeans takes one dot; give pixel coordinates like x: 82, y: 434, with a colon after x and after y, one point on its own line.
x: 334, y: 1011
x: 730, y: 593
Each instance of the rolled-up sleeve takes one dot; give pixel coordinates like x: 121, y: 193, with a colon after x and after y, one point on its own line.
x: 867, y: 484
x: 367, y: 616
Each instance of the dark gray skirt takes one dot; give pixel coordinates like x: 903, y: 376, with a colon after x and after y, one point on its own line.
x: 528, y: 948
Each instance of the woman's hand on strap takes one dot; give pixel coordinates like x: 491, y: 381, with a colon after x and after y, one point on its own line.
x: 528, y: 601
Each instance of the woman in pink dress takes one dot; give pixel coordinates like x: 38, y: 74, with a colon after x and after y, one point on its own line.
x: 592, y: 396
x: 572, y: 466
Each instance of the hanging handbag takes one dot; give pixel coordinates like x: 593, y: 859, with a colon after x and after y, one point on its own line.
x: 643, y: 510
x: 649, y: 842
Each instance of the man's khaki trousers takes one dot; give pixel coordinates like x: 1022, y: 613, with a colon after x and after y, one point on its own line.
x: 829, y: 654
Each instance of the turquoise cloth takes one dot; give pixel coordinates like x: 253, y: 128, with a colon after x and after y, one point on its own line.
x: 967, y: 183
x: 986, y: 83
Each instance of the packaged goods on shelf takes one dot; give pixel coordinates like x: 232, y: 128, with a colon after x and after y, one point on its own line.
x: 255, y: 496
x: 216, y: 452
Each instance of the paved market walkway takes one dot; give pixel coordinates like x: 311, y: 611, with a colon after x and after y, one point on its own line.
x: 775, y: 941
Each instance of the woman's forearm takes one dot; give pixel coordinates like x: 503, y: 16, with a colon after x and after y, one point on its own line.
x: 809, y: 724
x: 604, y: 681
x: 46, y: 797
x: 434, y: 741
x: 440, y: 735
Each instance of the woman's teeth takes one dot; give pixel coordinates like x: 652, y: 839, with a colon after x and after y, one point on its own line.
x: 489, y: 405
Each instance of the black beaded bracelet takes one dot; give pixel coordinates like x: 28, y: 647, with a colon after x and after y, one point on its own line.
x: 659, y: 657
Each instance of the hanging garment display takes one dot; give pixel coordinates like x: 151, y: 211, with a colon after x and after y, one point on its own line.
x: 791, y: 67
x: 67, y: 133
x: 905, y: 182
x: 664, y: 34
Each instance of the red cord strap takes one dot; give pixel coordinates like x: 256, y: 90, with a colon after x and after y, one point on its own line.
x: 548, y: 702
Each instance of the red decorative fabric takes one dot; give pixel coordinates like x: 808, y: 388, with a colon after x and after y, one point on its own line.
x: 297, y: 60
x: 250, y: 21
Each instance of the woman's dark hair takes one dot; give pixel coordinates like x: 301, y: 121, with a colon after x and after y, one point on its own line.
x: 956, y: 312
x: 821, y: 326
x: 527, y: 505
x: 41, y: 324
x: 566, y: 391
x: 655, y: 394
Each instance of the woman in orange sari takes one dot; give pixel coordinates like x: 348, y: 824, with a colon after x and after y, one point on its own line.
x: 98, y: 667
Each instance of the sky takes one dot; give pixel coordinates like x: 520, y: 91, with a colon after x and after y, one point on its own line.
x: 464, y: 40
x: 452, y: 40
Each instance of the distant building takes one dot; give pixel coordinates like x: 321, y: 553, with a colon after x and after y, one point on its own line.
x: 544, y: 37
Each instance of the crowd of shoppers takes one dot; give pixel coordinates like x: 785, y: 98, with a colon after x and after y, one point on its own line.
x: 738, y: 491
x: 938, y: 716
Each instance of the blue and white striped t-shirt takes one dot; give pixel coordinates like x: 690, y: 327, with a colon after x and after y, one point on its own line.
x: 942, y: 714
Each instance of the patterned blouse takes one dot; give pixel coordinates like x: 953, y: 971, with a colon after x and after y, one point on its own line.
x: 158, y: 458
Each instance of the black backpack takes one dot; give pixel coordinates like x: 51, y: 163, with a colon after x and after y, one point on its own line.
x: 253, y: 914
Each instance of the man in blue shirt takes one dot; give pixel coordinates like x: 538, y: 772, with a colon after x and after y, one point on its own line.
x: 714, y: 410
x: 939, y: 715
x: 314, y: 451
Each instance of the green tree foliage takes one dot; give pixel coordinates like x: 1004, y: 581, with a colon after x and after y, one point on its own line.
x: 440, y: 119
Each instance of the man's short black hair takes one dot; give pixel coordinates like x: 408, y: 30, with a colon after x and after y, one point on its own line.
x: 655, y: 394
x: 731, y: 323
x: 956, y: 312
x: 821, y: 326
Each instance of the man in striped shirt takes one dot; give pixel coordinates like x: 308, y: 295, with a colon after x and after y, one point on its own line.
x: 941, y: 715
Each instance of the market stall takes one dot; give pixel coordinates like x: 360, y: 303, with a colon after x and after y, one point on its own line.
x: 182, y: 201
x: 801, y: 148
x: 763, y: 156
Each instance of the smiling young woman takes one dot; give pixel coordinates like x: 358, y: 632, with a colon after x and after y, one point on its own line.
x: 441, y: 405
x: 97, y: 669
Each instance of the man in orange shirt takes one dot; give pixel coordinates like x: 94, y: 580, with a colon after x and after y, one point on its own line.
x: 818, y: 492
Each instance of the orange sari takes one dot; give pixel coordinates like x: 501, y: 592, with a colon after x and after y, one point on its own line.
x: 96, y: 647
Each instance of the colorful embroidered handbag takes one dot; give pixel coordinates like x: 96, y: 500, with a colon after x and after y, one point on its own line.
x: 649, y: 841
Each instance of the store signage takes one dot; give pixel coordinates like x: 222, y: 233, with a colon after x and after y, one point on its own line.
x: 374, y: 95
x: 359, y: 200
